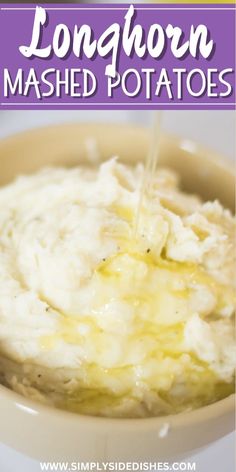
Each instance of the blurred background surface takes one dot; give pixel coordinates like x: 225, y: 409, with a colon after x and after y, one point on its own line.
x: 214, y: 129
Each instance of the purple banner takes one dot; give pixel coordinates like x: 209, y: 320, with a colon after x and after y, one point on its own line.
x: 117, y: 56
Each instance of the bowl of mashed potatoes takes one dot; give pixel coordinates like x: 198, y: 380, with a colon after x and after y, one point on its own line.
x: 116, y: 336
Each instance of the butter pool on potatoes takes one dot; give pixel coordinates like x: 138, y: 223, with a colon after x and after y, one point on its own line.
x: 100, y: 319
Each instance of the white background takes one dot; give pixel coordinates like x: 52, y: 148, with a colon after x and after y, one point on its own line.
x: 213, y: 129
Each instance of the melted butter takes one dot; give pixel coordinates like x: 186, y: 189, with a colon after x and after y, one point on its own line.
x: 192, y: 271
x: 124, y: 212
x: 200, y: 233
x: 133, y: 286
x: 202, y: 388
x: 67, y: 331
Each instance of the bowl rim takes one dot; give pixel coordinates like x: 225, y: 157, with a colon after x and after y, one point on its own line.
x: 186, y: 418
x: 226, y: 163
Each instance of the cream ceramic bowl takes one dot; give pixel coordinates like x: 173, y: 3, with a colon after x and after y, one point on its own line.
x: 53, y: 435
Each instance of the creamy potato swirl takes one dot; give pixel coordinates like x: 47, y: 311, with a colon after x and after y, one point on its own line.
x: 101, y: 320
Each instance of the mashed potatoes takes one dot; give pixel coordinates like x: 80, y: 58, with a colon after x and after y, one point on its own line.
x: 100, y: 319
